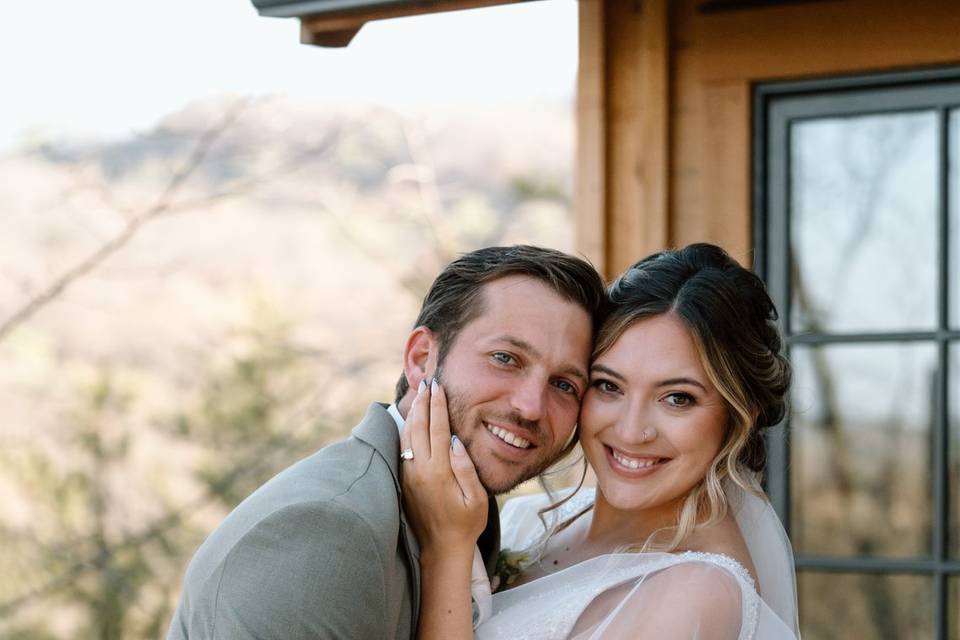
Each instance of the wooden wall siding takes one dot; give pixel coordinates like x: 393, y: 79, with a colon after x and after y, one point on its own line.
x: 702, y: 100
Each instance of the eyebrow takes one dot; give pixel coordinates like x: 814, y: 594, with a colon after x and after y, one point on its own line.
x: 529, y: 348
x: 690, y: 381
x: 599, y: 368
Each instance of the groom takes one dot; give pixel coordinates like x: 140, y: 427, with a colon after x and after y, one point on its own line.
x: 323, y: 549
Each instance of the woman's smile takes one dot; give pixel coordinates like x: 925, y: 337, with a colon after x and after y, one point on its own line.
x: 633, y: 465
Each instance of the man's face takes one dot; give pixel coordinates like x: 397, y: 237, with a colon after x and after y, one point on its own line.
x: 514, y: 378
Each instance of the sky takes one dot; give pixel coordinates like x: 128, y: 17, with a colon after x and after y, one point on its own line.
x: 110, y: 67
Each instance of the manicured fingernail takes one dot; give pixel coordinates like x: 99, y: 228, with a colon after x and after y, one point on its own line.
x: 422, y: 386
x: 457, y: 446
x: 433, y: 385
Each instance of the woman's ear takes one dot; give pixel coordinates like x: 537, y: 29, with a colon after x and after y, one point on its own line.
x: 420, y: 356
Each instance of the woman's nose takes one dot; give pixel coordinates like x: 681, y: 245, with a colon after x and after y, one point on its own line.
x: 635, y: 425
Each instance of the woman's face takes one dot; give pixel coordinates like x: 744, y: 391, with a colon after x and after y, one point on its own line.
x: 651, y: 422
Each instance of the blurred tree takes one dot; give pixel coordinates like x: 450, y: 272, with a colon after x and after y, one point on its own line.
x: 252, y: 415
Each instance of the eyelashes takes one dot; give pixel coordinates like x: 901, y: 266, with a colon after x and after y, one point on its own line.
x: 674, y: 399
x: 605, y: 386
x: 680, y: 400
x: 508, y: 361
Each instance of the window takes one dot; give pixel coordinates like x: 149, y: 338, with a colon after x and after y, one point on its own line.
x: 858, y: 238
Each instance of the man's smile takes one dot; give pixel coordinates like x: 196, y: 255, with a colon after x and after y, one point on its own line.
x: 509, y: 437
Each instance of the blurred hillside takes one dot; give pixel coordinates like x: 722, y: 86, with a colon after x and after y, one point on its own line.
x: 185, y: 312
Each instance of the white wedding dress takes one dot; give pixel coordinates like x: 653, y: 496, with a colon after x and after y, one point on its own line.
x: 650, y: 595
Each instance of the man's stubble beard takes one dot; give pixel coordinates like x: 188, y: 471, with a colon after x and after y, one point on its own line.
x: 457, y: 412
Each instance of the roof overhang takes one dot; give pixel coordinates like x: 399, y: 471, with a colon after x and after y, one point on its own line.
x: 333, y: 23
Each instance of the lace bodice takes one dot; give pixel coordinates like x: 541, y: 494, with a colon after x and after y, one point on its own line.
x: 550, y: 607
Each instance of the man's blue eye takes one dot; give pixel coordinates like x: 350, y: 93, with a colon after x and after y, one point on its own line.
x: 566, y: 387
x: 503, y: 358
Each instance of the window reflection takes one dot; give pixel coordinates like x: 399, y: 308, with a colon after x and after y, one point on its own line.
x: 953, y: 482
x: 953, y: 609
x: 863, y: 210
x: 865, y: 606
x: 954, y: 202
x: 861, y: 457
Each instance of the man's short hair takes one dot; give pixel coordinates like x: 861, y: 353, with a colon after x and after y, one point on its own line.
x: 454, y: 298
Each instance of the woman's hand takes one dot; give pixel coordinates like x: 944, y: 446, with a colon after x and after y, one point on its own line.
x: 447, y: 508
x: 443, y: 498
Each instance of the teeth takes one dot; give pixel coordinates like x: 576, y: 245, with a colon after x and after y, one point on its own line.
x: 633, y: 463
x: 509, y: 438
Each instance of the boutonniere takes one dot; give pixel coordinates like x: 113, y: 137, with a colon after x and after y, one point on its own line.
x: 510, y: 564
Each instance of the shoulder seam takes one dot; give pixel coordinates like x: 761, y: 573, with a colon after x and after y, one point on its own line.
x: 216, y: 598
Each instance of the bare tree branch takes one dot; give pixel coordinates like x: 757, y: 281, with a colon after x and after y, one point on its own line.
x: 133, y: 225
x: 240, y: 188
x: 427, y: 188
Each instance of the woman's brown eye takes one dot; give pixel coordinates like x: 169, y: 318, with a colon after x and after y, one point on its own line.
x: 606, y: 386
x: 679, y: 399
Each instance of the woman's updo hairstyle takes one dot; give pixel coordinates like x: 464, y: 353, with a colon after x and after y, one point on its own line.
x: 733, y: 324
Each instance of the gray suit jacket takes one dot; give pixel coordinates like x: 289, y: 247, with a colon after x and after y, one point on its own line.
x: 320, y: 551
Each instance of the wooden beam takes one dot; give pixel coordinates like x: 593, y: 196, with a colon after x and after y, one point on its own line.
x: 330, y: 29
x: 623, y: 108
x: 332, y: 39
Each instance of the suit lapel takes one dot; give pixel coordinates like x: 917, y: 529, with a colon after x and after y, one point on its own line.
x: 378, y: 430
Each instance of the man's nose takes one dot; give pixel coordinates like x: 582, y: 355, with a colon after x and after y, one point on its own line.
x: 528, y: 399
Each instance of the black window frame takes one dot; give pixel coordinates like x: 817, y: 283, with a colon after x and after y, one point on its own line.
x: 775, y: 106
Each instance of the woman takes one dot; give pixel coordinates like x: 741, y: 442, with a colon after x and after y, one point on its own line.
x: 677, y: 540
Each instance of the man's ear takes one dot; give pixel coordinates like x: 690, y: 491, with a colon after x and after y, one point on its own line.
x: 420, y: 356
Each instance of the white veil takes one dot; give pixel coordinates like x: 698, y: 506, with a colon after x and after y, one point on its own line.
x: 769, y: 549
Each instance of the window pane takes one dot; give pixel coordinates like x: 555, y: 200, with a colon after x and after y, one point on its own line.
x: 953, y: 609
x: 954, y: 128
x: 864, y: 223
x: 865, y: 606
x: 860, y: 449
x: 953, y: 399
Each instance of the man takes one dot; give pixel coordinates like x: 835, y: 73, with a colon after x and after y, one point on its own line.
x: 323, y: 549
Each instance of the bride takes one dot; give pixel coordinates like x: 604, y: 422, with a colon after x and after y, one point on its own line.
x: 677, y: 540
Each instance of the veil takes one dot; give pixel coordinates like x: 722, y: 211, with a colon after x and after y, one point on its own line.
x: 769, y: 549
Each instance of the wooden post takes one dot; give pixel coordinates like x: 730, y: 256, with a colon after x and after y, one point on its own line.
x: 590, y: 203
x: 623, y: 131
